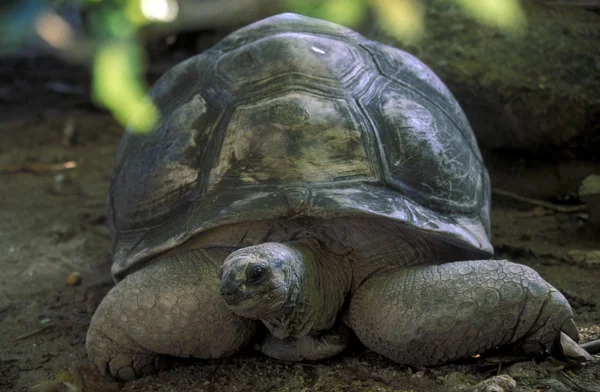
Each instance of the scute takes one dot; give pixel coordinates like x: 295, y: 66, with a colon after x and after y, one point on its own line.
x: 288, y: 55
x: 292, y: 138
x: 407, y: 70
x: 154, y: 174
x: 295, y: 117
x: 286, y: 22
x: 424, y: 153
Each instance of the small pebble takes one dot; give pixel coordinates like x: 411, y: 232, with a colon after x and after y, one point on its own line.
x: 501, y: 383
x: 553, y: 385
x: 45, y: 321
x: 74, y: 279
x: 62, y: 232
x: 56, y: 187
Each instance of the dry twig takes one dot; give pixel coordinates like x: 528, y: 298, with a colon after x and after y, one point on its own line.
x: 540, y: 203
x: 38, y: 167
x: 33, y: 333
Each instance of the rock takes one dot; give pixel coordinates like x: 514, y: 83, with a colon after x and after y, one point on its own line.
x: 553, y: 385
x: 538, y: 92
x: 525, y: 371
x: 589, y: 193
x: 585, y: 258
x: 501, y: 383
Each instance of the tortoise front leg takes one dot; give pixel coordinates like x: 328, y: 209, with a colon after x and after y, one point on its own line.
x: 170, y: 307
x: 314, y: 347
x: 429, y: 315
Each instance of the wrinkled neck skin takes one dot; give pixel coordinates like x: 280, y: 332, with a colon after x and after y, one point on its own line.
x: 318, y: 284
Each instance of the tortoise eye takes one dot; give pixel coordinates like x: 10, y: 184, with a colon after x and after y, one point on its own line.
x: 256, y: 273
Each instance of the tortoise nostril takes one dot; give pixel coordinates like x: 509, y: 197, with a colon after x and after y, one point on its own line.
x: 225, y: 293
x: 229, y: 290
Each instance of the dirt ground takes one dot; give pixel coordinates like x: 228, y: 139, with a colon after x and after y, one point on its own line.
x: 52, y: 224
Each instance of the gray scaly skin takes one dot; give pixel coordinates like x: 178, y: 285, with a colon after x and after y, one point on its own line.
x: 429, y: 315
x: 423, y: 315
x: 419, y: 315
x: 170, y: 307
x: 297, y: 290
x: 293, y: 288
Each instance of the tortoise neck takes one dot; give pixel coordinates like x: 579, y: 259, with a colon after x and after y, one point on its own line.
x: 321, y: 281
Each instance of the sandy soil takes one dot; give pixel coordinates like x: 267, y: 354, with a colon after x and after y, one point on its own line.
x: 52, y: 223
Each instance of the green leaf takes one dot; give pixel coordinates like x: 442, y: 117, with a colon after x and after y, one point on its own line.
x: 344, y: 12
x: 507, y: 15
x: 403, y: 19
x: 118, y: 87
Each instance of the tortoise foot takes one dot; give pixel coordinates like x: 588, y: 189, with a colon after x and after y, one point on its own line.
x: 123, y: 360
x: 433, y: 314
x: 171, y: 307
x: 315, y: 347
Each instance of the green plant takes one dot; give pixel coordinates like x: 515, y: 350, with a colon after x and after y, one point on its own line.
x: 111, y: 43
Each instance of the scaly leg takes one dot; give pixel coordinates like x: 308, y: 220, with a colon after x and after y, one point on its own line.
x: 432, y: 314
x: 170, y: 307
x: 321, y: 345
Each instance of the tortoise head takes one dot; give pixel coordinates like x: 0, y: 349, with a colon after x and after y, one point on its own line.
x: 261, y: 281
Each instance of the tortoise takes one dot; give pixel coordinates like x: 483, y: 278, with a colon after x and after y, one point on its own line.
x: 306, y: 184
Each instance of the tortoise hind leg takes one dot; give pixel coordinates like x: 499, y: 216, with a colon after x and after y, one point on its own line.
x: 171, y: 307
x: 432, y: 314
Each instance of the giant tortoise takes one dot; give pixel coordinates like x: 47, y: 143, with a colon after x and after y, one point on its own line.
x: 306, y: 183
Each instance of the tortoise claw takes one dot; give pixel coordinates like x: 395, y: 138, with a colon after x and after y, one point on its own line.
x: 572, y: 350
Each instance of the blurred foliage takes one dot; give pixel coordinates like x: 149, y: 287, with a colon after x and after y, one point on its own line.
x: 119, y: 61
x: 118, y: 85
x: 16, y: 19
x: 507, y: 15
x: 110, y: 41
x: 402, y: 19
x: 345, y: 12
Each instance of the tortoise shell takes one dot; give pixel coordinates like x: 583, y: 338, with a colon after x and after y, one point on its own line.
x: 297, y: 117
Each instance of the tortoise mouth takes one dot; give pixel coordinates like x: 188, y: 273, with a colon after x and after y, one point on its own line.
x: 241, y: 297
x: 237, y: 301
x: 248, y: 304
